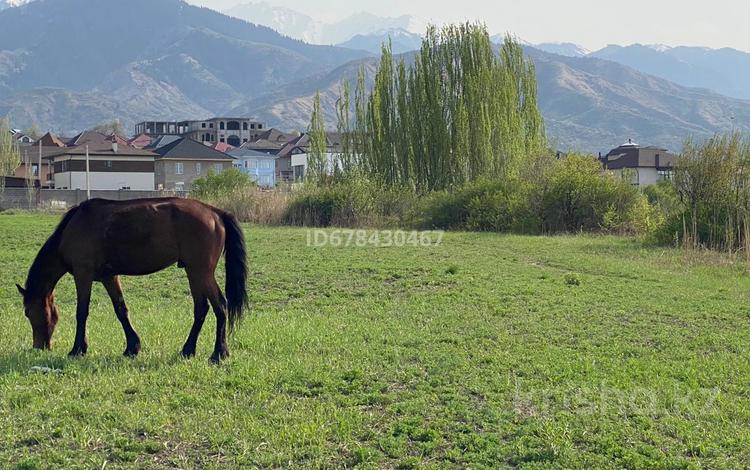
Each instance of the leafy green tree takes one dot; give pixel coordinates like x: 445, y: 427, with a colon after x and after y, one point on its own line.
x: 10, y: 156
x: 459, y: 113
x: 110, y: 127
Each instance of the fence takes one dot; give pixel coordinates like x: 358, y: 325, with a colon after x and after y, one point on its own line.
x: 23, y: 198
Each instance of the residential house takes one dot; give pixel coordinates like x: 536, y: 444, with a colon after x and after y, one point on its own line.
x: 643, y: 165
x: 111, y: 165
x: 21, y: 138
x: 140, y: 141
x: 261, y: 166
x: 30, y: 156
x: 222, y: 147
x: 161, y: 141
x: 270, y: 141
x: 179, y: 163
x: 294, y: 155
x: 229, y: 130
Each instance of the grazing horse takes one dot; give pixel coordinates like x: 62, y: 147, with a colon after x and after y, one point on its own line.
x: 100, y: 240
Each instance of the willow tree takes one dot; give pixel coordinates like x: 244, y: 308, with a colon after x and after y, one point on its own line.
x: 460, y: 111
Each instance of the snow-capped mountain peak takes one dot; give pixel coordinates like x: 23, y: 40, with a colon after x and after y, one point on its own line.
x: 658, y: 47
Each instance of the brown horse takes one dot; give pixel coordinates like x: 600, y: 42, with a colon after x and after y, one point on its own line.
x: 99, y: 240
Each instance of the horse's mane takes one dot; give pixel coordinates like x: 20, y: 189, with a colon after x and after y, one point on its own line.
x: 36, y: 270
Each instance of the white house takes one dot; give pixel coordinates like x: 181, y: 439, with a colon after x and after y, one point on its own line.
x: 112, y: 168
x: 645, y: 165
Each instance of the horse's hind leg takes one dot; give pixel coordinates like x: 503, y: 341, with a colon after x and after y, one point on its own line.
x: 219, y: 305
x: 114, y: 289
x: 200, y: 310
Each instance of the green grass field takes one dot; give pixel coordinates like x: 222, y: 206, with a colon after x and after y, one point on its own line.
x: 486, y: 351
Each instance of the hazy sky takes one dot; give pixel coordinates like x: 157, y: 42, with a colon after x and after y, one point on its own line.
x: 591, y: 23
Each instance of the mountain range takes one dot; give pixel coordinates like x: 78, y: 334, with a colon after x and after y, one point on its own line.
x: 96, y: 60
x: 301, y: 26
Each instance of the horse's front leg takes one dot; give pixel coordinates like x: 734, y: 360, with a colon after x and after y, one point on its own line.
x: 83, y: 294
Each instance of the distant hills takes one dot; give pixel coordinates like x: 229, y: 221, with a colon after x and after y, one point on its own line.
x: 96, y: 60
x: 726, y: 71
x: 300, y: 26
x: 401, y: 41
x: 567, y: 49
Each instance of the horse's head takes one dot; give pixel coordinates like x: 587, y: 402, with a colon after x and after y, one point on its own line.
x: 42, y: 314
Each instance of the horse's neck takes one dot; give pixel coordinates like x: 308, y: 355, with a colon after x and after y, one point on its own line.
x: 47, y: 270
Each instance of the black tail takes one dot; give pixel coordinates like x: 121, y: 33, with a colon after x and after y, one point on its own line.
x: 236, y: 267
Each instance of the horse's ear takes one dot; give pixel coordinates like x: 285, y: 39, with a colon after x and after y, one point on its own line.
x: 21, y: 290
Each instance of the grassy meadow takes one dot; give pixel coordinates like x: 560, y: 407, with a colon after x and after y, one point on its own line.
x: 487, y: 351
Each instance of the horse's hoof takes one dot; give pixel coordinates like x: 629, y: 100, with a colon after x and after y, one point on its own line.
x: 131, y: 353
x: 77, y: 353
x: 217, y: 357
x: 188, y: 353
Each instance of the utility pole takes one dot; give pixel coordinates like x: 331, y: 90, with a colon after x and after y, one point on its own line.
x: 88, y: 181
x: 731, y: 119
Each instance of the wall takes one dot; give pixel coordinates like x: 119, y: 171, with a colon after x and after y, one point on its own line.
x: 641, y: 176
x: 102, y: 181
x: 18, y: 198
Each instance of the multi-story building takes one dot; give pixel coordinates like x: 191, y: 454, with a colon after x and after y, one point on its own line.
x: 642, y: 165
x: 232, y: 131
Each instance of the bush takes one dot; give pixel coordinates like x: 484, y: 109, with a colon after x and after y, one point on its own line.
x: 494, y: 206
x: 234, y: 191
x: 253, y: 204
x: 569, y: 195
x: 215, y: 185
x: 581, y: 197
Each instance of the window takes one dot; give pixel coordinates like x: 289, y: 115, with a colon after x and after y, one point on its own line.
x: 218, y: 167
x: 180, y: 186
x: 665, y: 175
x: 234, y: 141
x: 244, y: 141
x: 203, y: 125
x: 178, y: 168
x: 35, y: 169
x: 233, y: 126
x: 244, y: 126
x: 252, y: 164
x: 260, y: 126
x: 252, y: 126
x: 265, y: 164
x: 108, y: 164
x: 221, y: 125
x: 198, y: 168
x: 211, y: 125
x: 222, y: 140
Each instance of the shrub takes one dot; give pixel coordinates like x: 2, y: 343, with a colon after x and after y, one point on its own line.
x: 234, y: 191
x: 483, y: 206
x: 253, y: 204
x: 218, y: 184
x: 580, y: 196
